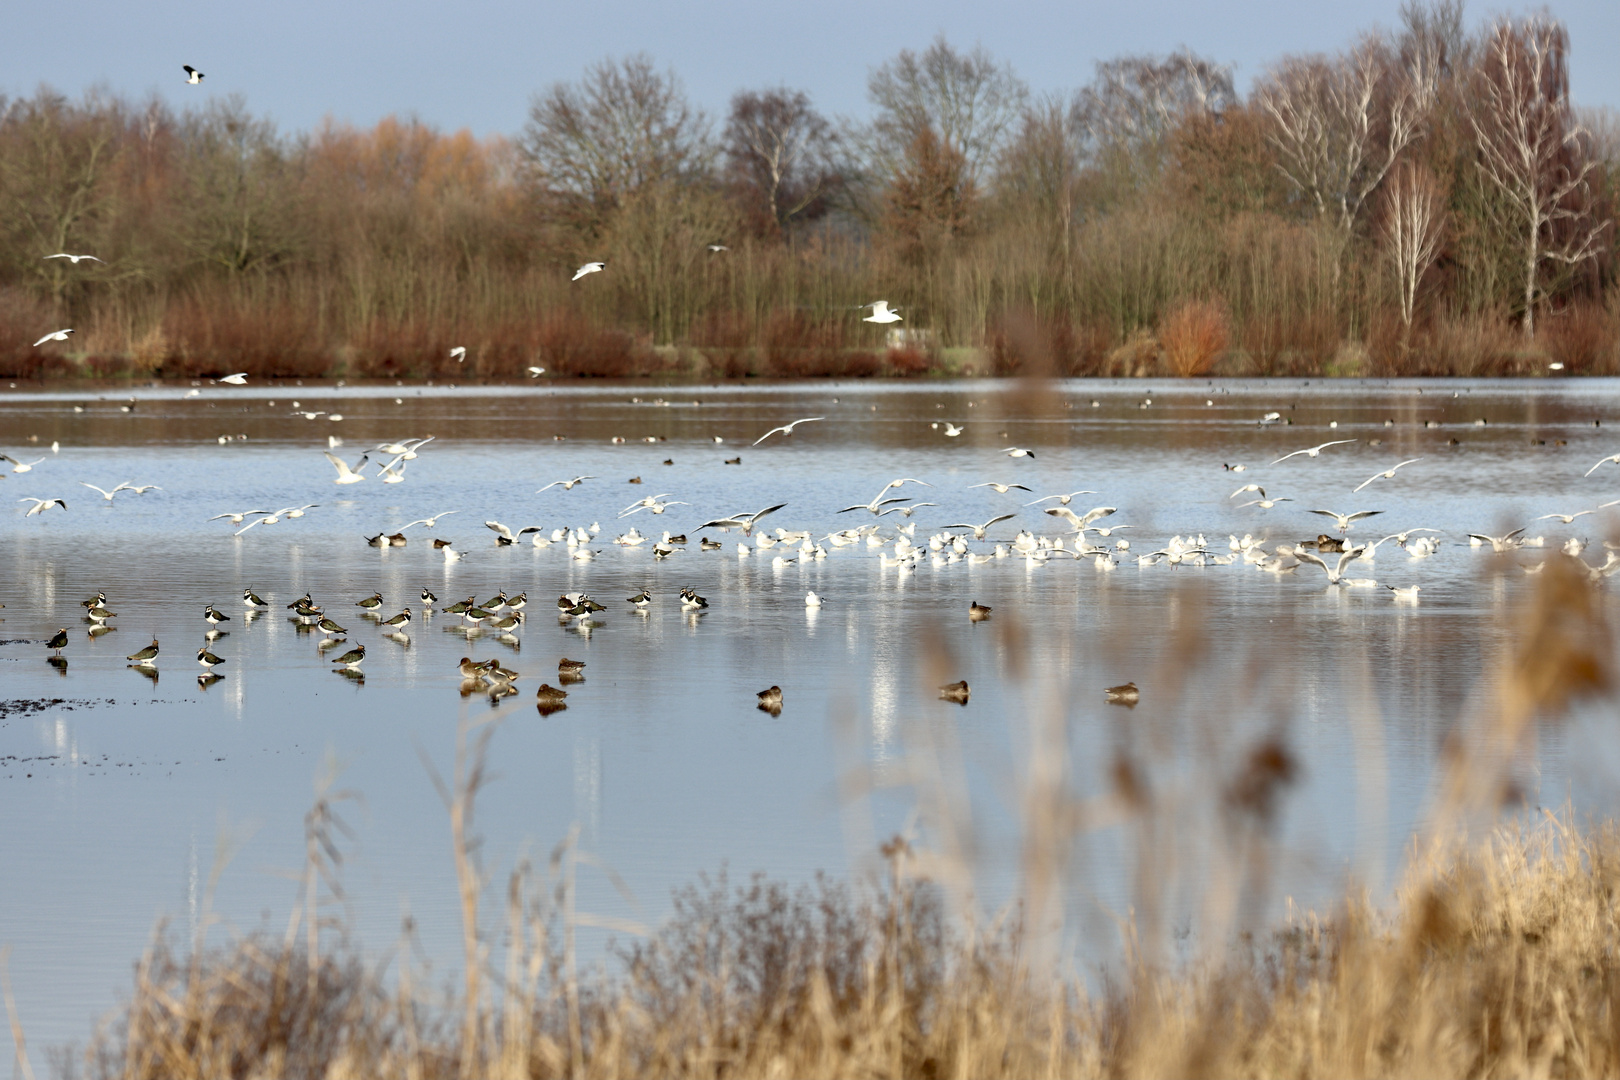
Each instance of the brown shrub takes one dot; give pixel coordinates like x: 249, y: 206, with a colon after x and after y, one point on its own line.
x: 571, y: 345
x: 385, y: 350
x: 1193, y: 336
x: 1137, y: 357
x: 210, y: 337
x: 908, y: 362
x: 23, y: 318
x: 1026, y: 344
x: 1582, y: 337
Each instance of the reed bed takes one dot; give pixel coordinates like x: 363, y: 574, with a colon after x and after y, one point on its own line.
x: 1495, y: 955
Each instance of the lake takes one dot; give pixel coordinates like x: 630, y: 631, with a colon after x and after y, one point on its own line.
x: 130, y: 795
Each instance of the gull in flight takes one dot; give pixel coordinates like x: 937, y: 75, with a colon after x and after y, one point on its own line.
x: 430, y: 522
x: 1001, y: 489
x: 906, y: 510
x: 236, y: 518
x: 878, y: 500
x: 62, y: 335
x: 589, y: 268
x: 745, y: 522
x: 979, y: 530
x: 1615, y: 458
x: 76, y: 258
x: 108, y: 495
x: 1018, y: 451
x: 536, y: 372
x: 407, y: 449
x: 1344, y: 520
x: 239, y: 379
x: 20, y: 466
x: 952, y: 431
x: 1314, y: 450
x: 567, y: 485
x: 1567, y: 519
x: 881, y: 312
x: 1388, y: 474
x: 504, y: 533
x: 1096, y: 513
x: 655, y: 507
x: 1063, y: 499
x: 139, y: 489
x: 786, y: 429
x: 1264, y: 504
x: 650, y: 500
x: 1335, y: 574
x: 41, y: 505
x: 193, y: 76
x: 459, y: 353
x: 1498, y: 543
x: 345, y: 474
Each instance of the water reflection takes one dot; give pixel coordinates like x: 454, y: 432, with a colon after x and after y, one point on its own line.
x: 702, y: 777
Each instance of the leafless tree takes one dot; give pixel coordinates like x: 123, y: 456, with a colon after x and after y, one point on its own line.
x: 1433, y: 45
x: 967, y: 100
x: 1532, y: 150
x: 1128, y: 111
x: 1413, y: 227
x: 621, y: 127
x: 57, y: 166
x: 1339, y: 124
x: 242, y: 180
x: 781, y: 150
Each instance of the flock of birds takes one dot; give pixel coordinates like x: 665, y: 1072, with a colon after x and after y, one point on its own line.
x: 1092, y: 534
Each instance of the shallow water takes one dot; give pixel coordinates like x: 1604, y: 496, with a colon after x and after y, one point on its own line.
x: 122, y: 793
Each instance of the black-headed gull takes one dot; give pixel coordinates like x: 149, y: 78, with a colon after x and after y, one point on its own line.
x: 786, y: 429
x: 589, y: 268
x: 239, y: 379
x: 1387, y: 474
x: 1314, y: 451
x: 345, y: 474
x: 75, y: 258
x: 41, y: 505
x: 20, y: 466
x: 54, y: 335
x: 881, y: 312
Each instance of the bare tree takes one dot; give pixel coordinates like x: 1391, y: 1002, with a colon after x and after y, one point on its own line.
x: 1532, y: 150
x: 243, y: 181
x: 621, y: 127
x: 781, y: 150
x: 1433, y: 44
x: 1340, y: 123
x: 57, y: 179
x: 1127, y: 112
x: 967, y: 100
x: 1413, y: 226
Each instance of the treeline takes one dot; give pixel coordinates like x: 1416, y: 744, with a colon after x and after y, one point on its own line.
x: 1427, y: 200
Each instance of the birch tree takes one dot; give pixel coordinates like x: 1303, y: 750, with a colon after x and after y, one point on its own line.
x: 781, y: 150
x: 1413, y: 226
x: 1531, y: 149
x: 1340, y: 123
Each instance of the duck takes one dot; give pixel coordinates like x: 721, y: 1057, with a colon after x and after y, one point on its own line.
x: 770, y: 700
x: 978, y: 612
x: 566, y: 666
x: 1124, y: 694
x: 956, y: 691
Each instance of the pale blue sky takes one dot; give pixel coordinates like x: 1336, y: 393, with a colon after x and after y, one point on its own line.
x: 477, y: 64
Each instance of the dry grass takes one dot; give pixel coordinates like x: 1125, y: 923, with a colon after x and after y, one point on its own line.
x: 1498, y: 956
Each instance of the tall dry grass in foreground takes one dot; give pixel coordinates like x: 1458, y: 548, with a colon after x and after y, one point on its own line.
x: 1497, y: 957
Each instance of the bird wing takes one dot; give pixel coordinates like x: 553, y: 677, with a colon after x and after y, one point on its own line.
x: 1285, y: 457
x: 1310, y: 557
x: 1067, y: 514
x: 105, y: 494
x: 1346, y: 558
x: 499, y: 528
x: 1359, y: 514
x: 1097, y: 513
x: 768, y: 434
x: 1334, y: 514
x: 992, y: 521
x: 337, y: 463
x: 1369, y: 480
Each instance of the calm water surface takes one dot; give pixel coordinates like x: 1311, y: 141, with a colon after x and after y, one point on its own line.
x: 121, y: 793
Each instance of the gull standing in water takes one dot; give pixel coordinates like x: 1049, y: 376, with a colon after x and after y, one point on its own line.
x: 786, y: 429
x: 1314, y: 451
x: 345, y: 474
x: 1388, y: 474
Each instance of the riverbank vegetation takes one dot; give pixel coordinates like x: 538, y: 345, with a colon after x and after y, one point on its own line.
x: 1427, y: 200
